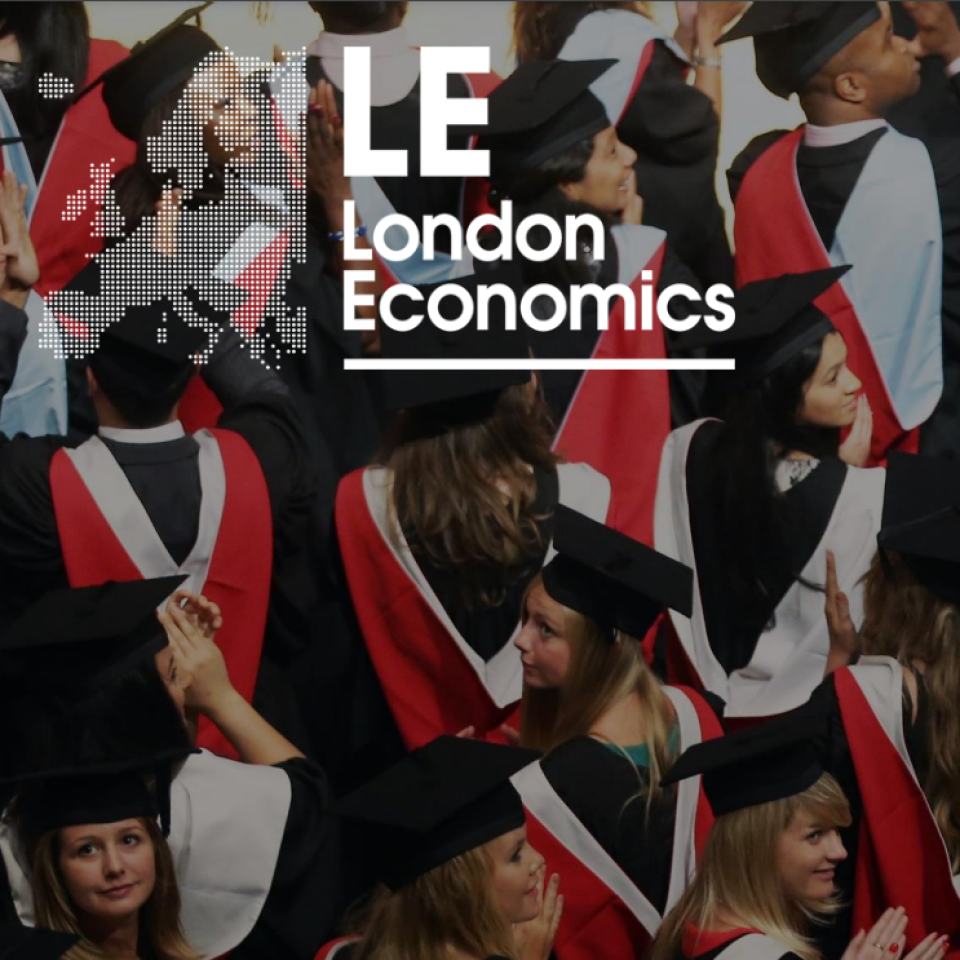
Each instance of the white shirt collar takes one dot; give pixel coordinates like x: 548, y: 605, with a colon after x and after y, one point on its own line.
x: 389, y: 43
x: 166, y: 431
x: 814, y: 136
x: 953, y: 68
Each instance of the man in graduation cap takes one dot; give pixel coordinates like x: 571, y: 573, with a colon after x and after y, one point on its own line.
x: 757, y: 637
x: 847, y: 187
x: 92, y: 683
x: 143, y: 498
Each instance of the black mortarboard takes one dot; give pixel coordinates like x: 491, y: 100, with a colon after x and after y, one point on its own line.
x: 147, y: 351
x: 775, y: 320
x: 611, y: 578
x: 768, y: 762
x: 793, y: 40
x: 33, y: 943
x: 440, y: 801
x: 405, y: 389
x: 80, y: 637
x: 921, y: 520
x: 132, y: 87
x: 69, y: 801
x: 541, y: 109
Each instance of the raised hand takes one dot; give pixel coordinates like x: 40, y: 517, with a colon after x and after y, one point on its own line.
x: 21, y: 268
x: 844, y: 638
x: 325, y: 175
x: 855, y: 450
x: 534, y: 939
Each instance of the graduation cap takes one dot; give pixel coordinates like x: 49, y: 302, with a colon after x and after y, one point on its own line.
x: 541, y: 109
x: 132, y: 87
x: 147, y: 351
x: 33, y: 943
x: 406, y: 389
x: 440, y: 801
x: 69, y: 801
x: 611, y: 578
x: 793, y: 40
x: 79, y: 638
x: 775, y: 320
x: 921, y: 521
x: 775, y: 760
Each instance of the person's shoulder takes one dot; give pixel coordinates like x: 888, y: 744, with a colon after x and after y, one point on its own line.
x: 945, y: 159
x: 866, y: 485
x: 749, y: 155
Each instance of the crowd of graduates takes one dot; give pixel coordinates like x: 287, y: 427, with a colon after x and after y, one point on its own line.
x: 499, y: 663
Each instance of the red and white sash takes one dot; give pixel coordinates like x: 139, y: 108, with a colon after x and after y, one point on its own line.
x: 901, y: 856
x: 790, y: 659
x: 753, y: 946
x: 106, y: 534
x: 335, y: 948
x: 605, y: 913
x: 888, y: 306
x: 626, y: 37
x: 601, y: 426
x: 433, y: 680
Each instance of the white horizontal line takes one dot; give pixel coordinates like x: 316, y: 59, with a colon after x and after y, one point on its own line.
x: 538, y: 364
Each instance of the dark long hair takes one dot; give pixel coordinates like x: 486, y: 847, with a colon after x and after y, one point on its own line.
x: 537, y: 191
x: 541, y: 29
x: 762, y: 425
x: 53, y: 38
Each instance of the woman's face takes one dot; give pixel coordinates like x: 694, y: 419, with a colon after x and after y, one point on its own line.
x: 108, y: 869
x: 517, y: 876
x: 807, y: 856
x: 830, y: 395
x: 173, y: 678
x: 606, y: 184
x: 221, y: 107
x: 544, y: 652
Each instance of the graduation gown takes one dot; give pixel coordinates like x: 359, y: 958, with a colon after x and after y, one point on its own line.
x: 757, y: 668
x: 434, y: 681
x: 62, y: 210
x: 172, y: 501
x: 621, y: 872
x: 672, y: 126
x: 256, y: 858
x: 863, y: 724
x: 800, y: 208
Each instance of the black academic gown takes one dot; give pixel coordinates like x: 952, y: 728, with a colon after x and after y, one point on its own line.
x: 675, y: 131
x: 827, y: 177
x: 165, y: 478
x: 729, y: 951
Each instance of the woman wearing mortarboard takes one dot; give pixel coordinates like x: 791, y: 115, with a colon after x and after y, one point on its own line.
x: 625, y: 846
x: 554, y: 152
x: 672, y: 126
x: 887, y: 726
x: 454, y: 521
x: 755, y: 502
x: 62, y: 142
x: 92, y: 683
x: 767, y: 878
x: 460, y: 877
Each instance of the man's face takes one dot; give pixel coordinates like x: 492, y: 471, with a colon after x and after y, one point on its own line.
x: 884, y: 64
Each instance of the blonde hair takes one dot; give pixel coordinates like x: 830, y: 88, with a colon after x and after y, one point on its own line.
x: 600, y: 674
x: 738, y: 865
x: 160, y: 927
x: 452, y: 906
x: 906, y: 621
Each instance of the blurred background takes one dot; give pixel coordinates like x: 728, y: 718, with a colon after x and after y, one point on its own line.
x: 252, y: 29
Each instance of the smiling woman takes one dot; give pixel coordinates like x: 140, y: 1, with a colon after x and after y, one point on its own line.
x: 101, y: 868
